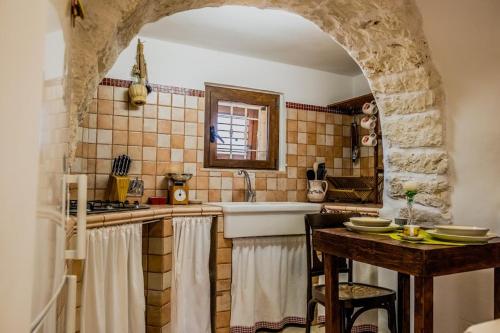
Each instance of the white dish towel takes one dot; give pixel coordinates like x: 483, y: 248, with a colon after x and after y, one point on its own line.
x: 113, y: 282
x: 268, y: 287
x: 190, y: 275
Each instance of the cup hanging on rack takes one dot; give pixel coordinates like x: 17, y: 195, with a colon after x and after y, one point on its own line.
x: 370, y: 109
x: 369, y: 122
x: 369, y: 140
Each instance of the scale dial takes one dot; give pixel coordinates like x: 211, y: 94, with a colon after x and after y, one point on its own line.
x: 180, y: 195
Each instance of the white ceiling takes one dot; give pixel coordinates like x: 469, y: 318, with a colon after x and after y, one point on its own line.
x: 267, y: 34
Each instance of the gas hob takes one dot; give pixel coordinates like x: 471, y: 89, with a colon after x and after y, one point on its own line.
x: 101, y: 206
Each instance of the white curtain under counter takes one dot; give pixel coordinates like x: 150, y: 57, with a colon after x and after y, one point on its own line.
x: 191, y: 274
x: 268, y: 283
x: 113, y: 284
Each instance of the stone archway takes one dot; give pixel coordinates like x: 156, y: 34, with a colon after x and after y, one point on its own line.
x: 385, y: 38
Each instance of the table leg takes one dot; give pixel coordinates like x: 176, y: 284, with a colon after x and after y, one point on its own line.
x: 333, y: 320
x: 404, y: 303
x: 423, y: 316
x: 496, y: 310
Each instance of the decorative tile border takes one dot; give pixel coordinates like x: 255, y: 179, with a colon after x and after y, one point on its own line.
x: 201, y: 93
x: 156, y: 87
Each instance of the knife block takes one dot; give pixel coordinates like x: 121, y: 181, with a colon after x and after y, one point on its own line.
x: 117, y: 188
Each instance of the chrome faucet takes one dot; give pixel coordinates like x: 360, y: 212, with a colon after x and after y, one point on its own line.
x: 249, y: 193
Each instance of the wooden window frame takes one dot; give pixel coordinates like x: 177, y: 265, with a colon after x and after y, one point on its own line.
x: 214, y: 94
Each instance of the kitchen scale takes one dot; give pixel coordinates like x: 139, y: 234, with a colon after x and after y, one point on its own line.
x: 179, y: 190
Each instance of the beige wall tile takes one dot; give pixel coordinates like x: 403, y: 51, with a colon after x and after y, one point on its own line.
x: 164, y: 98
x: 178, y: 100
x: 149, y: 139
x: 302, y: 126
x: 178, y: 127
x: 164, y: 140
x: 104, y: 136
x: 152, y: 98
x: 135, y: 124
x: 177, y: 155
x: 292, y: 114
x: 191, y: 129
x: 149, y: 153
x: 164, y: 126
x: 135, y: 111
x: 302, y: 138
x: 271, y: 184
x: 302, y: 115
x: 120, y: 108
x: 150, y: 110
x: 120, y: 123
x: 190, y: 142
x: 104, y: 121
x: 311, y: 116
x: 191, y: 102
x: 135, y: 152
x: 104, y: 107
x: 149, y: 167
x: 92, y: 120
x: 163, y: 155
x: 190, y: 155
x: 103, y: 166
x: 178, y: 114
x: 226, y: 195
x: 119, y: 150
x: 105, y: 92
x: 215, y: 183
x: 164, y: 112
x: 227, y: 183
x: 120, y: 94
x: 135, y: 138
x: 150, y: 125
x: 191, y: 115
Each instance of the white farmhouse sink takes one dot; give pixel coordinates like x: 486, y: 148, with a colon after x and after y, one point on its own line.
x: 255, y: 219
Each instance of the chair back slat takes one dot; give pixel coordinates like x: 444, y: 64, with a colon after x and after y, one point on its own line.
x: 323, y: 221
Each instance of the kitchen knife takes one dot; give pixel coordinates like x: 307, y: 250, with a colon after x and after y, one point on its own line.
x: 122, y: 168
x: 119, y: 165
x: 113, y: 166
x: 124, y: 165
x: 321, y: 171
x: 128, y: 165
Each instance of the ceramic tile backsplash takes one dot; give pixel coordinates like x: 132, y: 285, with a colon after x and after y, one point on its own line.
x: 166, y: 135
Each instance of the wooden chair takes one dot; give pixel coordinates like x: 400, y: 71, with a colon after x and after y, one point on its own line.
x: 355, y: 298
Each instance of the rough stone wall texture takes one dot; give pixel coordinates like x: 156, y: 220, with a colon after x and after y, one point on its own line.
x: 386, y: 39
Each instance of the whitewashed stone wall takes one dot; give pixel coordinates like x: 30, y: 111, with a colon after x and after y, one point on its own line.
x: 385, y: 37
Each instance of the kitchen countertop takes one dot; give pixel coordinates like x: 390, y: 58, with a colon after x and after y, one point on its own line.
x: 162, y: 211
x: 153, y: 213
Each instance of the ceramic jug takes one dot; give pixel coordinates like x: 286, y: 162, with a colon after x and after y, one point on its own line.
x: 316, y: 190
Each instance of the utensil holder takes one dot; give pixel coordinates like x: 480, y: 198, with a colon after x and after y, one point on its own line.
x: 117, y: 188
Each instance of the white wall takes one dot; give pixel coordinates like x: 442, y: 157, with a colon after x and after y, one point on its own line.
x: 464, y: 37
x: 190, y: 67
x: 20, y: 105
x: 360, y: 85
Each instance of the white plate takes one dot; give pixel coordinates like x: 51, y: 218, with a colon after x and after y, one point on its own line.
x: 461, y: 230
x: 370, y: 221
x: 358, y: 228
x: 462, y: 239
x: 412, y: 238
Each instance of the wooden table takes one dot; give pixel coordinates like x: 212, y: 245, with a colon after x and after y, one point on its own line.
x: 422, y: 261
